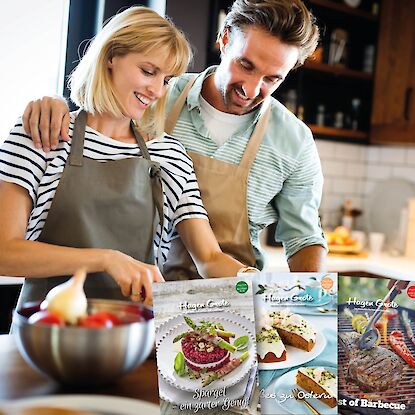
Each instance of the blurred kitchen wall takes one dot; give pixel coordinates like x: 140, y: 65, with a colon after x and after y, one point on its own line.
x: 193, y: 18
x: 354, y: 172
x: 189, y: 15
x: 32, y: 64
x: 32, y: 44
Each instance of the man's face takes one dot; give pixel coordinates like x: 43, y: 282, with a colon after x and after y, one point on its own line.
x: 254, y: 64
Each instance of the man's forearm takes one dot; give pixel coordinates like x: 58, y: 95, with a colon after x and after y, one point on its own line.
x: 220, y: 265
x: 308, y: 259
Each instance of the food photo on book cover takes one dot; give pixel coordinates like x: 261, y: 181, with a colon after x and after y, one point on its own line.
x: 205, y: 346
x: 376, y: 346
x: 296, y: 322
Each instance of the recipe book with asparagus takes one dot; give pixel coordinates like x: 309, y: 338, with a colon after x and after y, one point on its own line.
x: 376, y: 346
x: 205, y: 346
x: 296, y: 324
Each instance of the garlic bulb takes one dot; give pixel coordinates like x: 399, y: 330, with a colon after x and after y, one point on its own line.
x: 68, y: 300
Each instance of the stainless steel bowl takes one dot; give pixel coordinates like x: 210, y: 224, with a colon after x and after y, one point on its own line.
x: 87, y: 356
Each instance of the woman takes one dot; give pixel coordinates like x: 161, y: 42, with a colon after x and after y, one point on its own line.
x: 96, y: 202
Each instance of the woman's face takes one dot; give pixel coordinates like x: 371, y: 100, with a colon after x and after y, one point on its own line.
x: 138, y: 81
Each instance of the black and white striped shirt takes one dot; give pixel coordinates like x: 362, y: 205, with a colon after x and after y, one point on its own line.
x: 39, y: 173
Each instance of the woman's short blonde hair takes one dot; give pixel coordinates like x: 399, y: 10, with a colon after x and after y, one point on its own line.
x: 135, y: 30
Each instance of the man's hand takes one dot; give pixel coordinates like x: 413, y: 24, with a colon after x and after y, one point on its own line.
x: 308, y: 259
x: 45, y: 120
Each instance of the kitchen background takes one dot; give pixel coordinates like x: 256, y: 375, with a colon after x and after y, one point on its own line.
x: 356, y: 94
x: 356, y: 42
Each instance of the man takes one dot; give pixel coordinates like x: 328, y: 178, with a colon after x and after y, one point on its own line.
x: 256, y: 163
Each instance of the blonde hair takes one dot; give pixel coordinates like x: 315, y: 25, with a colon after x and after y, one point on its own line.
x: 135, y: 30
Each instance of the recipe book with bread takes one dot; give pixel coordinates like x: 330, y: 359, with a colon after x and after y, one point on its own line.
x: 376, y: 346
x: 206, y: 346
x: 296, y: 325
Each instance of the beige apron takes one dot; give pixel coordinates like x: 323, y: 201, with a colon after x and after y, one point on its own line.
x: 108, y: 205
x: 223, y: 188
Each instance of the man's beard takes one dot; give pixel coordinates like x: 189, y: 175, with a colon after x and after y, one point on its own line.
x: 235, y: 108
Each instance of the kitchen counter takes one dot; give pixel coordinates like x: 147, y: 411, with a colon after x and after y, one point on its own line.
x: 19, y: 380
x: 383, y: 265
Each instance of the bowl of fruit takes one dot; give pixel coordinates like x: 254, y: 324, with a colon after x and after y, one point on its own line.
x: 340, y: 241
x: 80, y: 341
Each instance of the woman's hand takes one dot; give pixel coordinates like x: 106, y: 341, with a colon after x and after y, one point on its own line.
x: 132, y: 276
x: 48, y: 116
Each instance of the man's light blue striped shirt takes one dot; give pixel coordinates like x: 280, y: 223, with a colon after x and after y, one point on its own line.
x: 285, y: 182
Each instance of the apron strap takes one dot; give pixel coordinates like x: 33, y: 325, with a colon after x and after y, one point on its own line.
x: 255, y: 140
x: 77, y: 146
x: 154, y: 173
x: 257, y: 136
x: 177, y: 107
x: 140, y: 141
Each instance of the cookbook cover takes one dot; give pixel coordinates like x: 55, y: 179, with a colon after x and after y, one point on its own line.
x: 376, y: 346
x: 296, y: 322
x: 205, y: 346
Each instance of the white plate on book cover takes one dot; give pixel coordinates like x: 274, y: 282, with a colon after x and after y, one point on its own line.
x: 111, y: 405
x: 167, y: 350
x: 296, y: 356
x: 283, y: 389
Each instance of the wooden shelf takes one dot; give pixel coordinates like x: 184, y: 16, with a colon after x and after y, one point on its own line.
x: 343, y: 8
x: 338, y: 70
x: 338, y: 132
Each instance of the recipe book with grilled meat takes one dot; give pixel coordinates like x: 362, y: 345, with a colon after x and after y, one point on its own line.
x: 296, y: 322
x: 376, y: 346
x: 205, y: 346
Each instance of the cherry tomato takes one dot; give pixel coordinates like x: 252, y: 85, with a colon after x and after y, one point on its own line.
x: 44, y: 317
x: 106, y: 315
x: 100, y: 319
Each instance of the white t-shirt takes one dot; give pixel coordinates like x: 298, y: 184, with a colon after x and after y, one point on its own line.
x: 221, y: 125
x: 39, y: 173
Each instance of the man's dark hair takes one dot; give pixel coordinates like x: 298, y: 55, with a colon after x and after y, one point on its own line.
x: 288, y: 20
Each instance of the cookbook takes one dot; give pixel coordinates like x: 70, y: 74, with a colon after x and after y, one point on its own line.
x: 206, y: 346
x: 296, y: 326
x: 376, y: 346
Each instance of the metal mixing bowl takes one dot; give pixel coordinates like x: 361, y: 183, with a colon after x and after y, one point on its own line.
x: 87, y: 356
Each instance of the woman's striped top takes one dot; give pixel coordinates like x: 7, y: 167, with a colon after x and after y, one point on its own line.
x: 39, y: 173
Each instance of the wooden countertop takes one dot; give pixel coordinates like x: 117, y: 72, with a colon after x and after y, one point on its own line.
x: 19, y: 380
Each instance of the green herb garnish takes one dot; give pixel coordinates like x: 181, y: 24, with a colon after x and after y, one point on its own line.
x: 241, y: 343
x: 179, y: 364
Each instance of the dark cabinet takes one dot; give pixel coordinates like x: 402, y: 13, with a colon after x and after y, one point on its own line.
x: 393, y: 117
x: 331, y: 93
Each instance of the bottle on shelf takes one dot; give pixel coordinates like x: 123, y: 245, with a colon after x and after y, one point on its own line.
x: 368, y: 58
x: 355, y: 114
x: 300, y: 112
x: 320, y: 117
x: 347, y: 214
x: 291, y: 100
x: 338, y: 120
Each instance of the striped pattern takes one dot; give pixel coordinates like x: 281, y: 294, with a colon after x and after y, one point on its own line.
x: 39, y: 173
x: 285, y: 181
